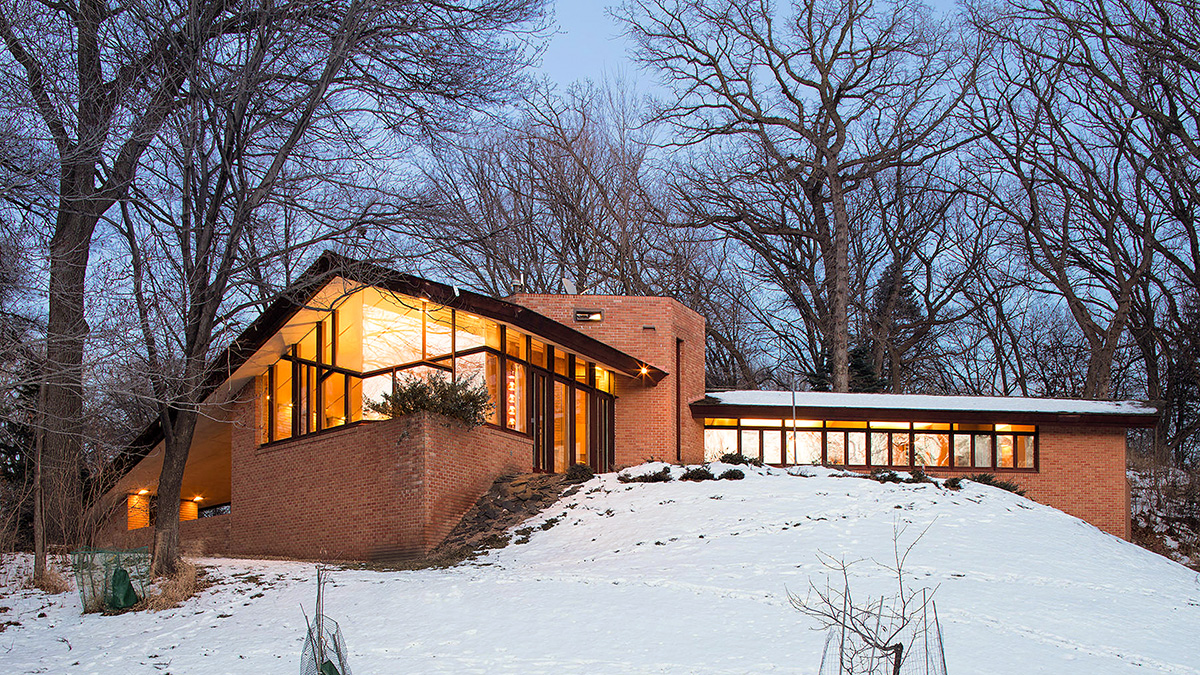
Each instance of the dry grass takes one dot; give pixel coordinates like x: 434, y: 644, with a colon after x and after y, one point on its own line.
x: 51, y: 581
x: 187, y: 581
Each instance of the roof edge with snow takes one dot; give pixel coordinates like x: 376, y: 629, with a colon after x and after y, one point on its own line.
x: 906, y: 407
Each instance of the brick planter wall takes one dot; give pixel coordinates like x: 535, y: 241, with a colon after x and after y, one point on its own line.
x: 200, y: 537
x: 386, y: 490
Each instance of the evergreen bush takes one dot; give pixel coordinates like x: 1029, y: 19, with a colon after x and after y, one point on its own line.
x: 697, y: 473
x: 989, y: 479
x: 578, y: 473
x: 465, y: 400
x: 661, y: 476
x: 738, y: 458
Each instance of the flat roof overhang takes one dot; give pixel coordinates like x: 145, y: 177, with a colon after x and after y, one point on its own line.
x: 905, y: 408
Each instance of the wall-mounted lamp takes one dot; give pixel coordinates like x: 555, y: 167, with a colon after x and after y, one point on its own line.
x: 644, y: 370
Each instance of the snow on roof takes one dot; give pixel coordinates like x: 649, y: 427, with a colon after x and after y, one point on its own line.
x: 1003, y: 404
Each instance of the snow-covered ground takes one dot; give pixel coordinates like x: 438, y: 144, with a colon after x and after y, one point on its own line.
x: 671, y: 578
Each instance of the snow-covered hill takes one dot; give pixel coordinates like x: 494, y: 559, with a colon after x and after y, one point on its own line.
x: 672, y: 578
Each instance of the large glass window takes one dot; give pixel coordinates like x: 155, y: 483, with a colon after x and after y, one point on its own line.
x: 393, y: 332
x: 374, y: 402
x: 804, y: 447
x: 718, y: 442
x: 439, y: 331
x: 983, y: 451
x: 772, y: 446
x: 281, y: 397
x: 491, y: 380
x: 835, y: 447
x: 581, y: 427
x: 932, y: 449
x: 560, y: 427
x: 473, y: 331
x: 515, y: 393
x: 962, y: 450
x: 868, y: 444
x: 333, y: 390
x: 344, y: 369
x: 750, y: 443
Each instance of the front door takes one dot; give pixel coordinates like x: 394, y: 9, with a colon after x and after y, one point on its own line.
x: 543, y: 435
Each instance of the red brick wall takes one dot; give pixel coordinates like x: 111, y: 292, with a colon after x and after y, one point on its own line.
x: 203, y: 536
x: 376, y: 491
x: 460, y: 468
x: 645, y: 415
x: 1081, y: 470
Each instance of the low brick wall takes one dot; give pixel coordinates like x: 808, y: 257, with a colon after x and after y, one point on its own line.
x: 1081, y: 470
x: 200, y: 537
x: 386, y: 490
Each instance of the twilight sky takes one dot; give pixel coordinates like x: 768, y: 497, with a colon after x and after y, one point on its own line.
x: 589, y: 44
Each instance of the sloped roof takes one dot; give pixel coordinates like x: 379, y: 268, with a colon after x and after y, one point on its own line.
x: 330, y: 266
x: 898, y: 407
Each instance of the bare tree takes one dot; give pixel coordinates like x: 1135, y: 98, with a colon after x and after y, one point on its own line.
x: 92, y: 85
x: 275, y: 131
x: 876, y: 634
x: 564, y: 192
x: 1071, y: 176
x: 827, y: 93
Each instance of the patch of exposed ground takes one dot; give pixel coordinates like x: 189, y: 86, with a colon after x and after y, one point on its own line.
x: 1165, y: 507
x: 510, y: 501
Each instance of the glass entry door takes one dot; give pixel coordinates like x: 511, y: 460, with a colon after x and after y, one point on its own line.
x: 542, y: 414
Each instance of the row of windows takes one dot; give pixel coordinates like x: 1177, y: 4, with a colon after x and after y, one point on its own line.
x: 874, y: 444
x: 338, y: 372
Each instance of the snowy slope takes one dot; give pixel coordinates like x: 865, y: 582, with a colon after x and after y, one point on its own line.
x: 673, y: 578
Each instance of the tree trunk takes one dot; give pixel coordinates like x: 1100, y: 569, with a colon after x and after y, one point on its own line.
x: 170, y: 479
x: 839, y: 341
x: 62, y: 402
x: 39, y: 516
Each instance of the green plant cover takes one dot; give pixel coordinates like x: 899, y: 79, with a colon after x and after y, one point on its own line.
x: 328, y: 668
x: 465, y: 400
x: 123, y: 596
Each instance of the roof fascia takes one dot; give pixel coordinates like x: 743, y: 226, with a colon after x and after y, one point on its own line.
x: 702, y: 409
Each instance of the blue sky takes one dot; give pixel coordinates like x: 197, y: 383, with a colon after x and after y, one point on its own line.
x: 588, y: 42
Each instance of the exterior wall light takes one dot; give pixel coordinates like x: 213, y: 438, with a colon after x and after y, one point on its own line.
x: 137, y: 510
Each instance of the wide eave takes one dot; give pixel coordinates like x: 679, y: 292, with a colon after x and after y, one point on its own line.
x: 900, y: 408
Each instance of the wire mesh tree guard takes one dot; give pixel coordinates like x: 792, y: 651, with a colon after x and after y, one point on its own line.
x: 105, y: 577
x: 324, y: 648
x: 914, y: 648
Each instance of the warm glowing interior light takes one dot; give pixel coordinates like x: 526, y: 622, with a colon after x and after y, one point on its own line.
x: 197, y: 499
x: 143, y: 491
x: 645, y: 370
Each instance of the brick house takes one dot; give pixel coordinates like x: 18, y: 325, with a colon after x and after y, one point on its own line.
x: 295, y: 456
